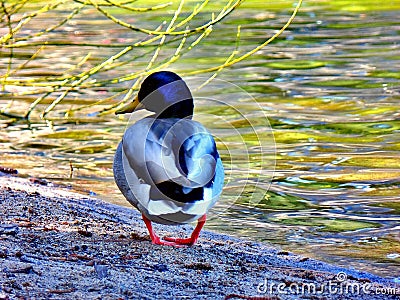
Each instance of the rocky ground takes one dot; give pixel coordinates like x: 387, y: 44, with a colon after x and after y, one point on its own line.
x: 55, y: 244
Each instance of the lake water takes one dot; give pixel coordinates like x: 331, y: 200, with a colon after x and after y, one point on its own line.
x: 308, y: 127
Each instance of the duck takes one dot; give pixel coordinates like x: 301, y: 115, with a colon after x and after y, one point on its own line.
x: 167, y: 165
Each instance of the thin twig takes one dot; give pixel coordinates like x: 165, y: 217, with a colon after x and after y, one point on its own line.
x: 82, y: 77
x: 23, y: 65
x: 251, y: 52
x: 25, y: 19
x: 10, y: 30
x: 156, y: 53
x: 139, y: 9
x: 167, y: 62
x: 52, y: 28
x: 233, y: 54
x: 107, y: 3
x: 220, y: 17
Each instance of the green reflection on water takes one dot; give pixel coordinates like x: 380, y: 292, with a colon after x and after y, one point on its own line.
x: 331, y: 225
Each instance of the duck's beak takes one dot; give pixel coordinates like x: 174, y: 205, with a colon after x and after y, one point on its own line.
x: 130, y: 107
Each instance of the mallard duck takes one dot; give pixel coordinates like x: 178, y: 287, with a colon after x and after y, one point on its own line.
x: 167, y: 165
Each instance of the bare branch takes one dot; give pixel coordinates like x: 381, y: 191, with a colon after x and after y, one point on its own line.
x: 155, y: 49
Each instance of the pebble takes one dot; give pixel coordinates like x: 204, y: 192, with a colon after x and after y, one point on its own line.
x: 18, y: 268
x: 393, y: 255
x: 9, y: 229
x: 160, y: 267
x: 101, y: 270
x: 8, y: 170
x: 3, y: 296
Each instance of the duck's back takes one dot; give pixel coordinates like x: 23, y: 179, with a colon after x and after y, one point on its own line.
x: 169, y: 169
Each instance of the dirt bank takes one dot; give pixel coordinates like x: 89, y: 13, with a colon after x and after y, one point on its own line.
x: 55, y: 244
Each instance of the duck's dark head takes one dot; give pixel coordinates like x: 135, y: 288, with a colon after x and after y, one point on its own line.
x: 165, y: 94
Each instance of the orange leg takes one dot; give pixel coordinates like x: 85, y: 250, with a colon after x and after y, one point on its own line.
x: 193, y: 238
x: 177, y: 242
x: 154, y: 237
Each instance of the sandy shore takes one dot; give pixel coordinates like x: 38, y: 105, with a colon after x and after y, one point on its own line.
x: 55, y: 244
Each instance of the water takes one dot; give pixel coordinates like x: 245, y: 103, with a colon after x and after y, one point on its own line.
x: 329, y: 88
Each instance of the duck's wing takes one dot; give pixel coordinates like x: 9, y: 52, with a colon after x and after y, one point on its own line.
x: 177, y: 160
x: 181, y: 151
x: 126, y: 179
x: 195, y: 154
